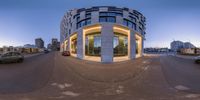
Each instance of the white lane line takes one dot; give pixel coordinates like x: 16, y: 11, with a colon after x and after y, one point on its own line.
x: 70, y: 93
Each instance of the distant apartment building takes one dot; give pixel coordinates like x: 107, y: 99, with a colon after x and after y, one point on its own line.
x: 188, y: 45
x: 1, y: 50
x: 39, y: 43
x: 55, y: 45
x: 49, y: 46
x: 178, y: 45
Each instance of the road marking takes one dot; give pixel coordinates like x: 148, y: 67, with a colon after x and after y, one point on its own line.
x: 62, y: 86
x: 120, y: 89
x: 70, y: 93
x: 146, y: 67
x: 54, y: 84
x: 144, y: 62
x: 181, y: 87
x: 192, y: 96
x: 68, y: 85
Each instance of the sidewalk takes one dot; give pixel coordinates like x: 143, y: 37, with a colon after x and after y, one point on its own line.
x: 31, y: 55
x: 101, y: 72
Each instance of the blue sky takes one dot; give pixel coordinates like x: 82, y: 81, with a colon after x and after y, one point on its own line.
x: 21, y: 21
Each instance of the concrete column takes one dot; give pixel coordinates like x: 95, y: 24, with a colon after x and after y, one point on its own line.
x: 119, y: 20
x: 107, y: 42
x: 80, y: 51
x: 132, y: 45
x: 95, y: 17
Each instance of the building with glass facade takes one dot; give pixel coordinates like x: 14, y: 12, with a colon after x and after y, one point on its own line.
x: 103, y: 33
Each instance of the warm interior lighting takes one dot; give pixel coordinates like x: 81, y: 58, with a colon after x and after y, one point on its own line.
x: 65, y: 45
x: 88, y: 30
x: 138, y: 45
x: 70, y: 47
x: 124, y: 31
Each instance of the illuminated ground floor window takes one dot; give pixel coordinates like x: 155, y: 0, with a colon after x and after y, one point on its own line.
x: 137, y: 47
x: 93, y: 44
x: 120, y: 44
x: 74, y: 45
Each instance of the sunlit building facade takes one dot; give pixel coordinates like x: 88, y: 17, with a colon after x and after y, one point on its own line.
x: 103, y: 33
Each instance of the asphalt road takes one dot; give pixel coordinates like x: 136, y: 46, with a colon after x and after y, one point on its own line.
x: 24, y: 77
x: 54, y: 77
x: 182, y: 74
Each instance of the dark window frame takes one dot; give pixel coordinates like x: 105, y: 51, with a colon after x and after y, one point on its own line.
x: 84, y: 22
x: 107, y: 19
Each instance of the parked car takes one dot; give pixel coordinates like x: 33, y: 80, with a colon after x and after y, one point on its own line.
x: 197, y: 60
x: 46, y: 51
x: 66, y: 53
x: 11, y: 57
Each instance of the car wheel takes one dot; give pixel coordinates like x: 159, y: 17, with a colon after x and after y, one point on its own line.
x: 20, y: 60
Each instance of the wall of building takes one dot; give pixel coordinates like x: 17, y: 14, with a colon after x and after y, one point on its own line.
x: 76, y: 21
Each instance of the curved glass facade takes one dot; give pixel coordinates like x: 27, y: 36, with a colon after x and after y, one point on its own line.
x: 93, y: 44
x: 120, y: 44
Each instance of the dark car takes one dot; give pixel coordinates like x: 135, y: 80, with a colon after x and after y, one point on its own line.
x: 46, y: 51
x: 197, y: 60
x: 11, y: 57
x: 66, y: 53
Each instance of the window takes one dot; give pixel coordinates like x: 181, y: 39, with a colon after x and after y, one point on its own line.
x: 134, y: 26
x: 119, y: 14
x: 111, y: 19
x: 140, y: 30
x: 110, y: 14
x: 77, y: 15
x: 69, y: 31
x: 120, y: 44
x: 74, y: 45
x: 107, y: 19
x: 78, y: 25
x: 125, y: 22
x: 88, y: 21
x: 83, y: 23
x: 129, y: 24
x: 102, y: 14
x: 102, y: 19
x: 78, y: 19
x: 132, y: 18
x: 88, y: 15
x: 93, y: 44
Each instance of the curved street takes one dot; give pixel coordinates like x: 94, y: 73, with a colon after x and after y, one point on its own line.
x: 54, y: 77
